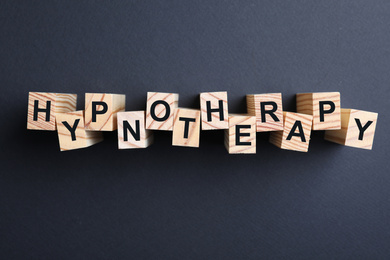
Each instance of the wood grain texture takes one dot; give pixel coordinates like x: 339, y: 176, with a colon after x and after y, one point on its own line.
x: 83, y: 138
x: 216, y: 122
x: 304, y: 103
x: 179, y: 138
x: 279, y: 138
x: 160, y: 110
x: 309, y: 103
x: 254, y: 108
x: 146, y: 136
x: 107, y: 121
x: 230, y: 134
x: 349, y: 133
x: 60, y: 103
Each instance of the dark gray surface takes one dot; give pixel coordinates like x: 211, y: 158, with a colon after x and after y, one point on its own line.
x: 169, y: 202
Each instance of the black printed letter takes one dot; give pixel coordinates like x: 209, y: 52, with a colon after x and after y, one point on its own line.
x: 72, y: 130
x: 213, y: 110
x: 136, y: 134
x: 297, y: 124
x: 167, y: 110
x: 46, y: 110
x: 329, y: 111
x: 362, y: 129
x: 238, y: 135
x: 186, y: 124
x: 94, y: 107
x: 270, y: 112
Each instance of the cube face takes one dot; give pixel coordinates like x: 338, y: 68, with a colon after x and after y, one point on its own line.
x: 186, y: 128
x: 160, y: 110
x: 268, y: 109
x: 76, y: 137
x: 214, y: 107
x: 323, y: 106
x: 304, y: 103
x: 240, y: 138
x: 357, y: 129
x: 101, y: 111
x: 138, y: 137
x: 296, y: 132
x: 43, y: 107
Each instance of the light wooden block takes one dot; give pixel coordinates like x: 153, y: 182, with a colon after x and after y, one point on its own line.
x: 313, y: 103
x: 43, y: 117
x: 294, y: 123
x: 76, y: 137
x: 214, y: 107
x: 110, y: 104
x: 240, y: 137
x: 186, y: 127
x: 138, y: 136
x: 268, y: 110
x: 160, y: 109
x: 350, y: 134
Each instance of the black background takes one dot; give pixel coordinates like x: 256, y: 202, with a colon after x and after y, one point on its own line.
x: 169, y: 202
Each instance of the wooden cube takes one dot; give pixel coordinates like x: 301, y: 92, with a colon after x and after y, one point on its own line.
x: 160, y: 109
x: 268, y: 110
x: 186, y: 127
x: 240, y: 137
x: 296, y: 132
x: 357, y: 129
x: 43, y: 108
x: 323, y: 106
x: 101, y: 111
x: 132, y: 132
x: 214, y: 107
x: 72, y: 134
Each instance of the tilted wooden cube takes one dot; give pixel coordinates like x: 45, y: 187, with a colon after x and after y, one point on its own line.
x: 131, y: 130
x: 296, y: 132
x: 72, y: 134
x: 323, y: 106
x: 268, y: 110
x: 240, y: 138
x: 357, y: 129
x: 101, y: 111
x: 214, y: 107
x: 186, y: 127
x: 160, y: 109
x: 43, y: 108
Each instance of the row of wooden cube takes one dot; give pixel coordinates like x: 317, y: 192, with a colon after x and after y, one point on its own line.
x: 317, y: 111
